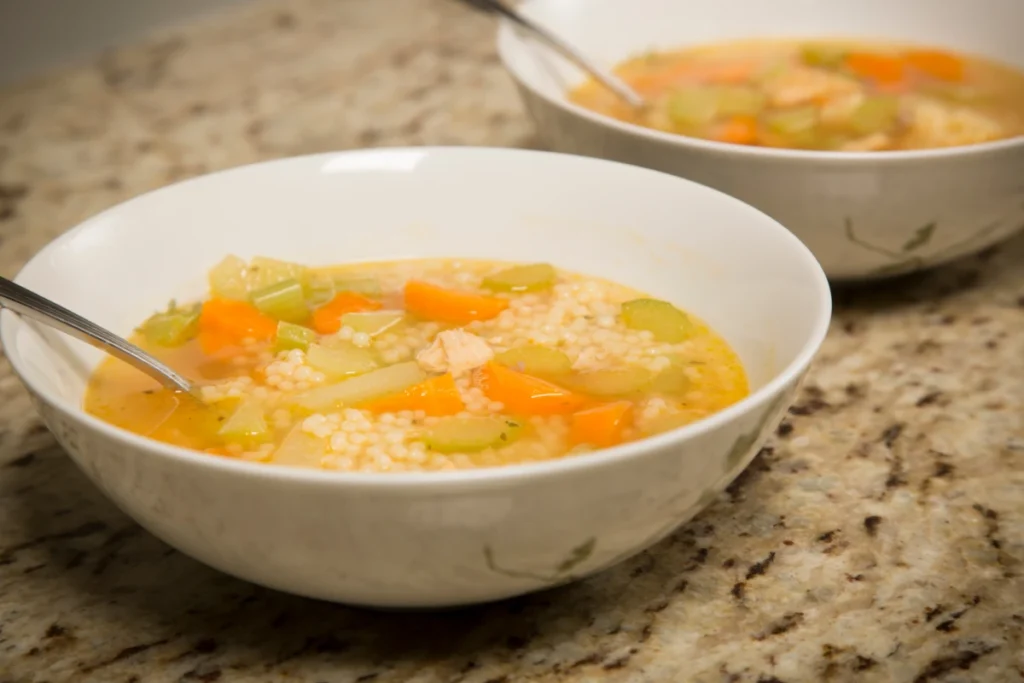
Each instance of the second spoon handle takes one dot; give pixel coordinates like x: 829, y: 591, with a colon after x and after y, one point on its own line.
x: 607, y: 79
x: 31, y: 305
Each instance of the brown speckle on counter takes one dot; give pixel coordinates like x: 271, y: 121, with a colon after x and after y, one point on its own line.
x: 871, y: 523
x: 917, y: 385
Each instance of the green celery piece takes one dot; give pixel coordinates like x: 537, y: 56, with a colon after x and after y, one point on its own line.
x: 666, y: 322
x: 875, y: 114
x: 527, y: 278
x: 372, y: 323
x: 693, y: 106
x: 264, y: 272
x: 826, y: 56
x: 535, y: 359
x: 292, y: 336
x: 673, y: 380
x: 283, y: 300
x: 471, y: 434
x: 740, y: 101
x: 792, y: 121
x: 228, y: 279
x: 611, y: 382
x: 341, y: 360
x: 246, y: 425
x: 361, y: 388
x: 173, y: 327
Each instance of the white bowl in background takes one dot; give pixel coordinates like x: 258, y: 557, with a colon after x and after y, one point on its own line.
x: 864, y: 215
x: 444, y: 538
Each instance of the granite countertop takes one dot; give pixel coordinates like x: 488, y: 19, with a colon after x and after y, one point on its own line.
x: 878, y: 537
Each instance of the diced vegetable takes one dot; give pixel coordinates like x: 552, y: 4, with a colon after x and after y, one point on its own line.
x: 445, y: 305
x: 601, y: 426
x: 344, y: 280
x: 233, y: 279
x: 739, y: 130
x: 792, y: 121
x: 471, y: 434
x: 173, y: 327
x: 318, y: 289
x: 246, y: 425
x: 739, y: 101
x: 291, y: 336
x: 826, y: 56
x: 264, y: 272
x: 693, y: 106
x: 300, y: 448
x: 534, y: 359
x: 228, y: 279
x: 673, y: 380
x: 341, y: 360
x: 877, y: 67
x: 666, y: 322
x: 875, y: 114
x: 529, y: 278
x: 327, y: 318
x: 523, y: 394
x: 611, y: 382
x: 936, y: 63
x: 438, y: 396
x: 361, y: 388
x: 284, y: 300
x: 373, y: 322
x: 224, y: 322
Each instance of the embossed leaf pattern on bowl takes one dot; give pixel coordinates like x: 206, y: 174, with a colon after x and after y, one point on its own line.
x: 743, y: 444
x: 560, y: 574
x: 908, y: 257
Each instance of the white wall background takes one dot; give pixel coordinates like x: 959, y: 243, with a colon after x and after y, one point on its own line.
x: 38, y: 35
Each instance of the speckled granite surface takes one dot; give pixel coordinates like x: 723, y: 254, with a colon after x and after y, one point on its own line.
x: 879, y: 536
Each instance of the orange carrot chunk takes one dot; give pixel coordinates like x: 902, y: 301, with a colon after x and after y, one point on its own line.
x: 602, y: 425
x: 879, y: 68
x: 437, y: 397
x: 224, y: 322
x: 523, y: 394
x: 937, y: 63
x: 739, y: 130
x: 327, y: 318
x: 450, y: 306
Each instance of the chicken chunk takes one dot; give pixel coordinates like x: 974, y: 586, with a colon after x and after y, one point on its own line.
x: 837, y: 110
x: 936, y: 124
x: 455, y: 351
x: 803, y: 85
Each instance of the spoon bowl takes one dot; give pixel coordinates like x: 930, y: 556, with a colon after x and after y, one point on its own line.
x: 27, y: 303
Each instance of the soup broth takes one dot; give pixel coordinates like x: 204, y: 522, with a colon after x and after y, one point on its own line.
x: 418, y: 365
x: 820, y: 95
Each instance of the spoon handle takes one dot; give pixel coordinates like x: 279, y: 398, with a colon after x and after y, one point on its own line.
x: 24, y: 302
x: 607, y: 79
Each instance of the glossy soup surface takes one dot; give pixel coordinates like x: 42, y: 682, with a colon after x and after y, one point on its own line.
x: 418, y: 365
x: 820, y: 95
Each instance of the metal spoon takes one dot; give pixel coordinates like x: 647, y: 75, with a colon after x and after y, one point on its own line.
x: 29, y: 304
x: 609, y: 80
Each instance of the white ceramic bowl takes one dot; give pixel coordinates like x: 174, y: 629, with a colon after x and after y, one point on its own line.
x: 428, y: 539
x: 863, y: 215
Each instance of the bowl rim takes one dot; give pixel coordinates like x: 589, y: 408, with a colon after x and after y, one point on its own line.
x: 493, y: 476
x: 508, y: 35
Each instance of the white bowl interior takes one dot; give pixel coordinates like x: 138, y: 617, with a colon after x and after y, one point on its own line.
x: 612, y: 30
x: 726, y: 262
